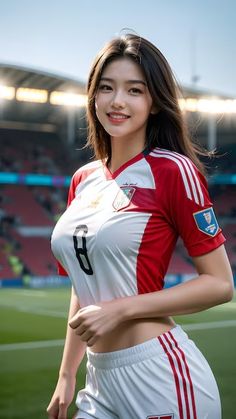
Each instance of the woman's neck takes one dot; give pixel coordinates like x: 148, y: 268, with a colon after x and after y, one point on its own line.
x: 123, y: 151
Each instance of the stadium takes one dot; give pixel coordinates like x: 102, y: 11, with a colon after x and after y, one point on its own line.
x: 42, y: 139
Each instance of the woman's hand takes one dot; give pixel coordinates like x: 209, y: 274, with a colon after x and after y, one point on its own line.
x: 94, y: 321
x: 62, y: 398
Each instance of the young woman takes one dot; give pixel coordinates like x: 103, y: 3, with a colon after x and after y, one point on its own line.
x: 115, y: 240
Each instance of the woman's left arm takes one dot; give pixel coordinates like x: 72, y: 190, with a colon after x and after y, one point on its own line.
x: 212, y: 286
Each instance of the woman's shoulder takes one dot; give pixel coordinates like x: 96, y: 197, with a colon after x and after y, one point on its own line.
x: 173, y: 162
x: 177, y: 172
x: 171, y: 158
x: 84, y: 171
x: 95, y: 164
x: 88, y: 168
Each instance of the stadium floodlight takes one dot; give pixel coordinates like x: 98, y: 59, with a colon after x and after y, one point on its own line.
x: 208, y: 105
x: 68, y: 99
x: 217, y: 105
x: 24, y: 94
x: 7, y: 92
x: 189, y: 104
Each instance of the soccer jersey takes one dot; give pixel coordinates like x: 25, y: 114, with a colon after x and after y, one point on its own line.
x: 118, y: 233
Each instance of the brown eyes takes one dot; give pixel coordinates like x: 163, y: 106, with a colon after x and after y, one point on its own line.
x: 135, y: 90
x: 104, y: 87
x: 107, y: 88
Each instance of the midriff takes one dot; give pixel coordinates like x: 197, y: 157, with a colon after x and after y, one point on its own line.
x: 131, y: 333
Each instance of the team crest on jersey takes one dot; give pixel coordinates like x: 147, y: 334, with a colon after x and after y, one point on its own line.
x: 206, y: 221
x: 166, y: 416
x: 123, y: 198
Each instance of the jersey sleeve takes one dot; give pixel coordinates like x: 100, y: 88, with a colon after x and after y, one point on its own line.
x: 73, y: 184
x: 61, y: 271
x: 191, y: 209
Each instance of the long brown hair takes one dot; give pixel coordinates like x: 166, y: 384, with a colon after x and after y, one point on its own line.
x: 166, y: 128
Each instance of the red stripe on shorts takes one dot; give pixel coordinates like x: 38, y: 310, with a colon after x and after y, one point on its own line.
x: 188, y: 375
x: 176, y: 378
x: 173, y: 350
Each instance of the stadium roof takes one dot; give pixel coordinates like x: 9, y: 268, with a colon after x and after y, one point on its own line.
x: 28, y: 115
x: 198, y: 92
x: 17, y: 76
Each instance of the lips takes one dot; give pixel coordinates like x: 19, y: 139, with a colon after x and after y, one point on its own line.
x: 117, y: 116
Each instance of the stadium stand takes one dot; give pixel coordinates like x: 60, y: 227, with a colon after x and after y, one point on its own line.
x: 32, y: 152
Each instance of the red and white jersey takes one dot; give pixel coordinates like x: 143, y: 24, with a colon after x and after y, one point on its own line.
x: 118, y: 233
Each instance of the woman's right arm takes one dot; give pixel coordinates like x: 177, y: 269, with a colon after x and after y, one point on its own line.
x: 74, y: 350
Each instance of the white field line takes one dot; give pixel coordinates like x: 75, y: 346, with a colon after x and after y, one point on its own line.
x: 44, y: 312
x: 31, y: 345
x: 30, y: 293
x: 60, y: 342
x: 209, y: 325
x: 32, y: 310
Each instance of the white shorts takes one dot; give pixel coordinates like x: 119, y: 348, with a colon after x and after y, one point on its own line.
x: 164, y: 378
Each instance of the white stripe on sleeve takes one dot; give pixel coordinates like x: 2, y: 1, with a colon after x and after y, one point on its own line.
x: 190, y: 179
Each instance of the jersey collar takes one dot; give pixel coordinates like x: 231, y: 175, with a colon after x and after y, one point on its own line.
x: 109, y: 175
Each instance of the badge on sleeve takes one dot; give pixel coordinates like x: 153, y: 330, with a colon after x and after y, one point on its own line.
x: 206, y: 221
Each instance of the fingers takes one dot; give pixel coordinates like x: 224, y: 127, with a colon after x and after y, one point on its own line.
x: 86, y: 324
x: 52, y: 411
x: 80, y: 330
x: 89, y: 336
x: 92, y: 341
x: 86, y: 335
x: 83, y: 314
x: 76, y: 320
x: 58, y: 411
x: 62, y: 411
x: 73, y: 323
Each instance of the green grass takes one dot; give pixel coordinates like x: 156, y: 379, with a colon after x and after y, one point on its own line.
x: 28, y: 377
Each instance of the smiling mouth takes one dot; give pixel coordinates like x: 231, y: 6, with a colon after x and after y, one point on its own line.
x: 117, y: 116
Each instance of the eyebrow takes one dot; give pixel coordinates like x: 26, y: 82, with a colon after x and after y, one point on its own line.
x: 127, y: 81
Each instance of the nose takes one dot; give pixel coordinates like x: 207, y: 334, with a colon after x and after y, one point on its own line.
x: 118, y: 100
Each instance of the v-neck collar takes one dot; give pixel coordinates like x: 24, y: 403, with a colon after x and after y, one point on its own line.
x: 109, y: 175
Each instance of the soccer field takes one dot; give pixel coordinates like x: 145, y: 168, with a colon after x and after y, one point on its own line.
x: 32, y: 329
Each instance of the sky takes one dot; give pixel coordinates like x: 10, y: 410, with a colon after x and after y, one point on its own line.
x: 198, y: 37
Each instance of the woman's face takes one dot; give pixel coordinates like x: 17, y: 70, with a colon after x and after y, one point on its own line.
x: 123, y: 101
